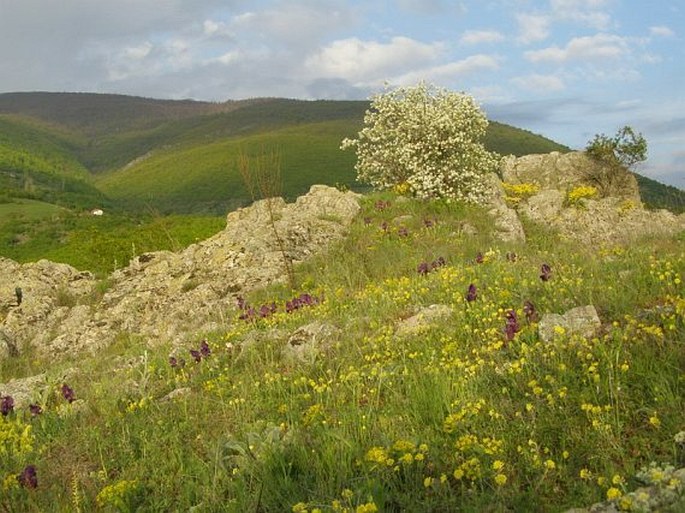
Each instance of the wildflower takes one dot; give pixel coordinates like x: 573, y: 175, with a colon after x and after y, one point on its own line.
x: 35, y: 409
x: 423, y: 268
x: 472, y: 293
x: 438, y: 263
x: 497, y: 465
x: 367, y: 220
x: 403, y: 231
x: 197, y: 356
x: 654, y: 421
x: 550, y: 465
x: 500, y: 479
x: 585, y: 474
x: 28, y: 477
x: 173, y: 362
x: 68, y: 393
x: 6, y: 405
x: 512, y: 257
x: 512, y: 326
x: 204, y: 349
x: 530, y: 311
x: 545, y: 272
x: 381, y: 205
x: 428, y: 223
x: 369, y: 507
x: 613, y: 493
x: 480, y: 258
x: 384, y: 226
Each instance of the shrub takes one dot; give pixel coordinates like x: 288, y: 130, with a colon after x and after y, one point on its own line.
x: 615, y: 156
x: 428, y: 138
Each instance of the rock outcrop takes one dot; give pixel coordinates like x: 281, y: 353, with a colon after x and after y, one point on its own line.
x: 165, y: 296
x: 619, y: 218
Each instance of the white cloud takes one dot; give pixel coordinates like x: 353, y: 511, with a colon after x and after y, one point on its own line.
x: 586, y: 12
x: 450, y: 71
x: 540, y: 83
x: 589, y: 48
x: 532, y: 28
x: 357, y: 60
x: 661, y: 31
x: 138, y: 52
x: 472, y: 37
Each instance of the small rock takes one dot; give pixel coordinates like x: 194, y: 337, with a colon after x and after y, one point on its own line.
x: 308, y: 341
x: 176, y: 394
x: 581, y: 321
x: 424, y: 319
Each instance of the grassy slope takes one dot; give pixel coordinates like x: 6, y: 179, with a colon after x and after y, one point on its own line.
x: 38, y: 161
x: 658, y: 195
x: 205, y: 177
x: 36, y: 230
x: 453, y: 418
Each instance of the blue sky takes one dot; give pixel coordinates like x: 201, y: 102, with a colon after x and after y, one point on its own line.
x: 567, y: 69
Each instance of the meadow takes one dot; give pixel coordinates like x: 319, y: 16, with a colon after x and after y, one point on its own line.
x: 472, y: 412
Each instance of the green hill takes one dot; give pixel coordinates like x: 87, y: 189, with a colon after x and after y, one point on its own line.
x: 81, y: 150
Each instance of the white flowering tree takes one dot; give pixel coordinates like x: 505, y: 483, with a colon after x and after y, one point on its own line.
x: 428, y: 138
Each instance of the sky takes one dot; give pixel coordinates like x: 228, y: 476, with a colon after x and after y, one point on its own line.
x: 566, y: 69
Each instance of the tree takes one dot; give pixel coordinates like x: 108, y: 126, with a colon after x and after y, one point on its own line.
x: 616, y: 156
x: 625, y: 149
x: 427, y: 137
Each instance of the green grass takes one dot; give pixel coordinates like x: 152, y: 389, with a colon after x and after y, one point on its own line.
x: 29, y: 210
x: 206, y: 179
x: 452, y: 418
x: 99, y: 244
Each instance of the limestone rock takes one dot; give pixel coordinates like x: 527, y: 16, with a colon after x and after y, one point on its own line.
x: 423, y: 319
x: 310, y: 340
x: 507, y: 223
x: 582, y: 321
x: 165, y: 296
x: 559, y: 171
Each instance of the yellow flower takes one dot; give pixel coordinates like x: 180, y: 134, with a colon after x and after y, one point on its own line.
x: 500, y: 479
x: 497, y: 465
x: 613, y: 493
x: 458, y: 474
x: 585, y: 474
x: 428, y: 482
x: 550, y: 465
x: 654, y: 421
x: 617, y: 479
x: 369, y: 507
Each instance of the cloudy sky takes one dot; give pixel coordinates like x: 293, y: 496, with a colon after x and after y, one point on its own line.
x: 567, y: 69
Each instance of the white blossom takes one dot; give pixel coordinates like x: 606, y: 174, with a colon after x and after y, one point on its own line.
x: 429, y: 138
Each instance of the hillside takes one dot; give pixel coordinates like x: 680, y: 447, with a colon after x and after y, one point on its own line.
x: 131, y: 154
x: 472, y: 374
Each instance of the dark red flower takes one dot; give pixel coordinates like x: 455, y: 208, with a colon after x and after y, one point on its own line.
x: 6, y: 405
x: 472, y: 293
x: 511, y: 326
x: 205, y: 351
x: 28, y: 477
x: 68, y: 393
x: 197, y: 356
x: 479, y: 258
x: 545, y: 272
x: 530, y: 311
x: 423, y: 268
x: 35, y: 409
